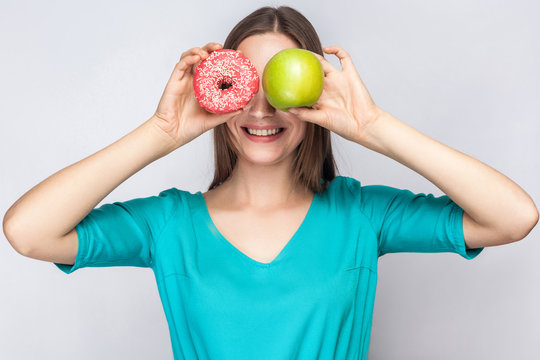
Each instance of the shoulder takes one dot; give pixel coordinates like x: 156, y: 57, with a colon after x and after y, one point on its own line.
x: 175, y: 194
x: 342, y: 190
x: 161, y: 205
x: 350, y: 190
x: 366, y: 192
x: 343, y: 185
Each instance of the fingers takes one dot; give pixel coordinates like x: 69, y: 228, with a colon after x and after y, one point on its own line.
x: 327, y: 67
x: 344, y: 57
x: 193, y: 56
x: 186, y: 62
x: 212, y: 46
x: 203, y: 52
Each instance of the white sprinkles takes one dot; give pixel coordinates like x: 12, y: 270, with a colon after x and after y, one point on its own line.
x: 222, y: 66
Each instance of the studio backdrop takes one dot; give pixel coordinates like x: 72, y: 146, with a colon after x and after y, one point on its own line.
x: 77, y: 76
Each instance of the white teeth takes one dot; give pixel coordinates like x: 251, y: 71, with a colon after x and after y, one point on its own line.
x: 264, y: 132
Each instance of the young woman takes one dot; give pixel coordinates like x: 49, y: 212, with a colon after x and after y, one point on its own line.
x: 278, y: 259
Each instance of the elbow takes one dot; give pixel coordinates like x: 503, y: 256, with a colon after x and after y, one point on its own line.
x: 534, y: 220
x: 9, y: 229
x: 528, y: 223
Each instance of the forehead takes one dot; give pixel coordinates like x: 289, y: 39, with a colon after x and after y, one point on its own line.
x: 261, y: 47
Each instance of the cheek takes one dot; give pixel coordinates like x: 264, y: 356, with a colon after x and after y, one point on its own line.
x: 231, y: 127
x: 232, y: 123
x: 303, y: 129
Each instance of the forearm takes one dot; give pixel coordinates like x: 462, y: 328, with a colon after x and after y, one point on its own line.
x: 486, y: 195
x: 55, y: 206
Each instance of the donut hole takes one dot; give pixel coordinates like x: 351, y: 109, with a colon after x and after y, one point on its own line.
x: 225, y: 83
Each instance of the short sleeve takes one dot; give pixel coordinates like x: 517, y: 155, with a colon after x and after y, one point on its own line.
x: 122, y: 233
x: 409, y: 222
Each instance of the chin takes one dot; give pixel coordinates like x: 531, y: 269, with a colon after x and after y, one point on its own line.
x: 264, y: 161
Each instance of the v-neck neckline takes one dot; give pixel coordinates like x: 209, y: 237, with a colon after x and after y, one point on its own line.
x: 237, y: 251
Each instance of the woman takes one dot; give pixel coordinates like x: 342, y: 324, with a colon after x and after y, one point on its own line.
x: 278, y: 259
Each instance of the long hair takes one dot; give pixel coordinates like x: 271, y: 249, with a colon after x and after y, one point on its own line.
x: 313, y: 165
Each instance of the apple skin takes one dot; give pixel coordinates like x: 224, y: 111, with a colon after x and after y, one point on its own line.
x: 293, y: 78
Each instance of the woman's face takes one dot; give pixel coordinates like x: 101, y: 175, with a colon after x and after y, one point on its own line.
x: 259, y: 113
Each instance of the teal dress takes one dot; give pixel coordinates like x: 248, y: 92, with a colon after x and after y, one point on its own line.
x: 313, y: 301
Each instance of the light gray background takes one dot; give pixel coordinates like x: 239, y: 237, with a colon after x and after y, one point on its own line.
x: 76, y: 76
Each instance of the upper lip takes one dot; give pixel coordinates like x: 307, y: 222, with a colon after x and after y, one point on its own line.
x: 262, y: 127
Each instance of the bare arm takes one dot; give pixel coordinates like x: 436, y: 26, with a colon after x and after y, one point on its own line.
x: 51, y: 209
x: 497, y: 211
x: 41, y: 223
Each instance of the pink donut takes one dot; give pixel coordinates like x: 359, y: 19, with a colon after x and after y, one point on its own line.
x: 225, y: 81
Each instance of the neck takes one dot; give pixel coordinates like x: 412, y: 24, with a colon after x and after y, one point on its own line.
x: 264, y: 186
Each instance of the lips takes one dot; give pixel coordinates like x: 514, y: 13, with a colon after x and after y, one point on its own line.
x: 263, y: 127
x: 280, y: 130
x: 263, y: 139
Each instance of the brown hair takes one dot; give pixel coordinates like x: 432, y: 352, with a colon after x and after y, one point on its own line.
x: 314, y: 165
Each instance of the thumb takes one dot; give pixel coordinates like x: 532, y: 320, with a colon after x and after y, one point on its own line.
x: 311, y: 115
x: 223, y: 118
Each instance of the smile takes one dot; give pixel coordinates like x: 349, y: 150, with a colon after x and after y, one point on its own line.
x: 265, y: 132
x: 264, y: 135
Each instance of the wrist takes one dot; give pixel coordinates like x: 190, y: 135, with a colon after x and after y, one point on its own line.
x: 160, y: 141
x: 373, y: 134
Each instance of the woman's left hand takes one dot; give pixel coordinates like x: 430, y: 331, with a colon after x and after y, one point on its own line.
x: 345, y: 106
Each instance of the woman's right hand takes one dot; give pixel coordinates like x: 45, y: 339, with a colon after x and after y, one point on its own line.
x: 179, y: 114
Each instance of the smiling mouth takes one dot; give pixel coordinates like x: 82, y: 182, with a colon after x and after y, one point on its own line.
x: 262, y: 133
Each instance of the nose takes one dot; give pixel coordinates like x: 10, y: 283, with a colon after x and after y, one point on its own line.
x: 258, y: 106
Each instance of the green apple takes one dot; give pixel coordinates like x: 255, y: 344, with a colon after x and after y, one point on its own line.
x: 293, y: 78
